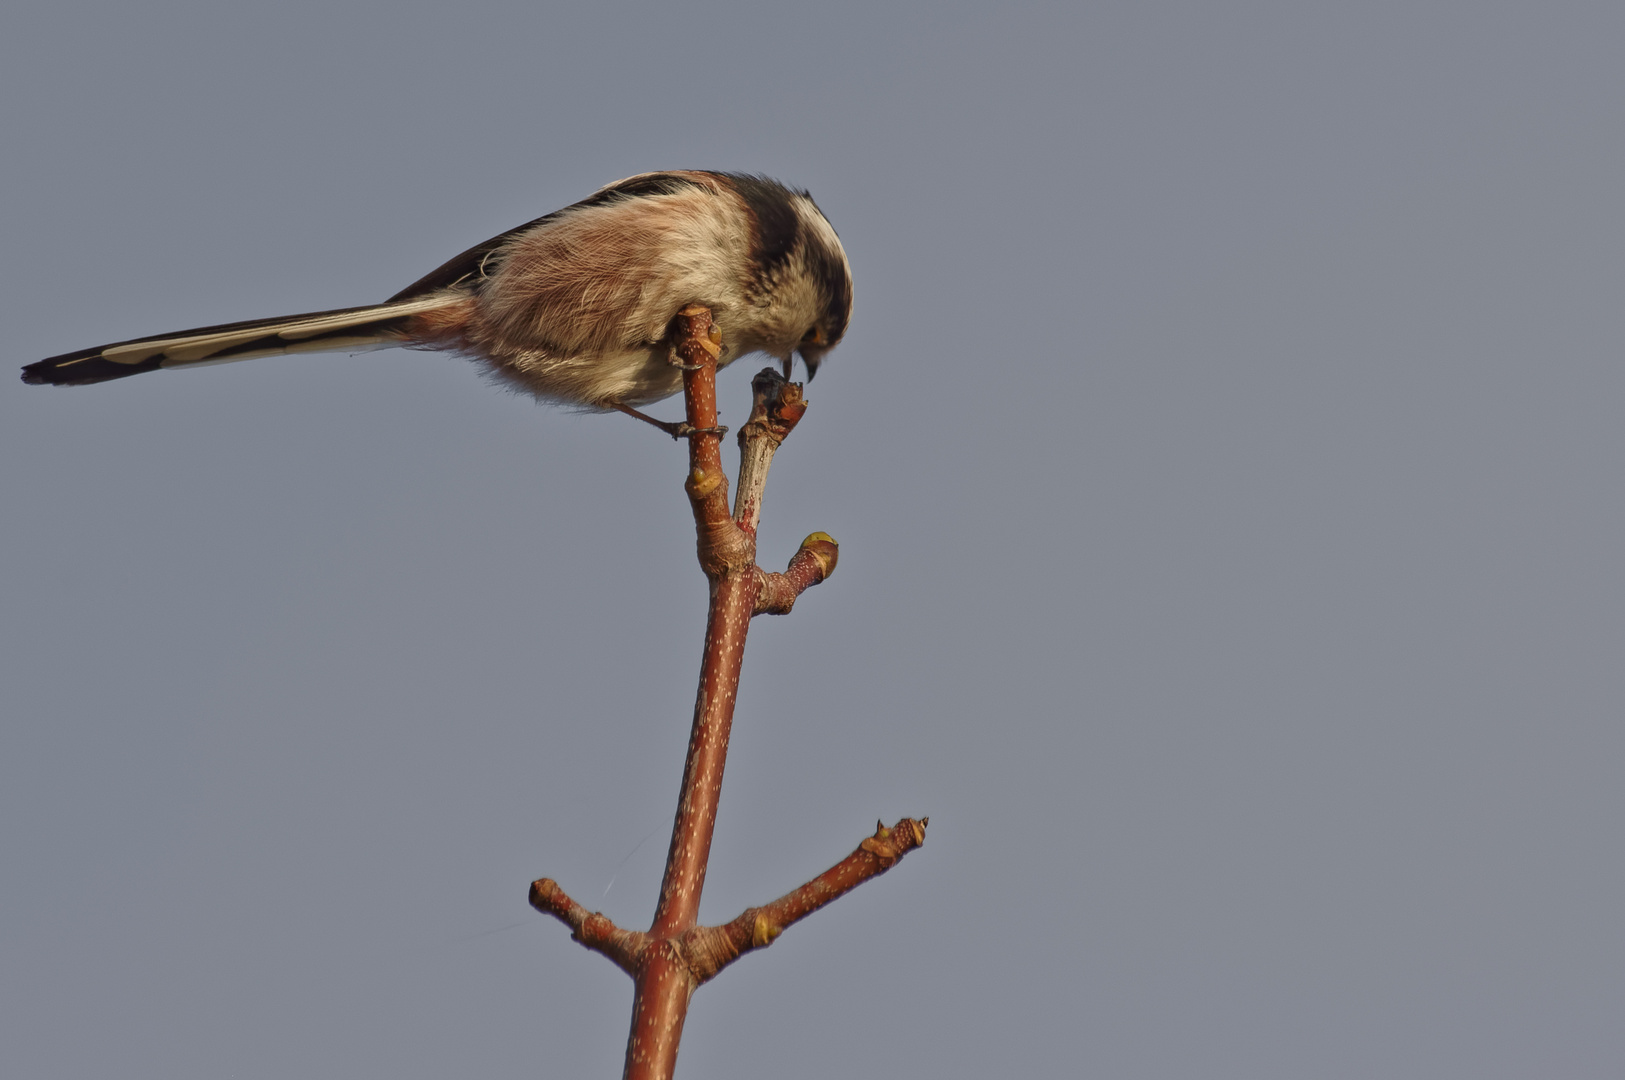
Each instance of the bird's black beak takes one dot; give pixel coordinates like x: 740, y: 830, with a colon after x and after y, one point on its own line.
x: 812, y: 360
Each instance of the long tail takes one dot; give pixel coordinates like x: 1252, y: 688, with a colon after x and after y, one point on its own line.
x: 347, y: 329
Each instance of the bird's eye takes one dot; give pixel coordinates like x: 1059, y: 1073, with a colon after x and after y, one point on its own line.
x: 814, y: 336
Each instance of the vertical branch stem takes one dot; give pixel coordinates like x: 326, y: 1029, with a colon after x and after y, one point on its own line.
x: 727, y: 554
x: 733, y: 602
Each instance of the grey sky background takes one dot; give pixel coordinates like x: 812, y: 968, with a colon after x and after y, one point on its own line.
x: 1225, y: 455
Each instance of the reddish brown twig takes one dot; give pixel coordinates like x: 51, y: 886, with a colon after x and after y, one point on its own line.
x: 676, y: 955
x: 813, y: 562
x: 704, y: 951
x: 592, y: 929
x: 727, y: 554
x: 723, y: 546
x: 712, y: 948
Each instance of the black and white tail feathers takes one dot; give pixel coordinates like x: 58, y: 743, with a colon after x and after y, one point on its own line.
x: 342, y: 330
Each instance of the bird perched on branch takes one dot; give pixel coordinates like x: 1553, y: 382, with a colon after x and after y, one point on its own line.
x: 573, y: 307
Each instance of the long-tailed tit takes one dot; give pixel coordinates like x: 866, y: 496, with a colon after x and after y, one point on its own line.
x: 572, y: 307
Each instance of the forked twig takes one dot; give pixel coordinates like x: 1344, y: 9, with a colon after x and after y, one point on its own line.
x: 676, y: 955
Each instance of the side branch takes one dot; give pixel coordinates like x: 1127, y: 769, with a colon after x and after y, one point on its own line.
x: 709, y: 949
x: 591, y: 929
x: 776, y: 407
x: 813, y: 562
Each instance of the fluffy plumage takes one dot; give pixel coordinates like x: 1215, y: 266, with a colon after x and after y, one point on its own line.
x: 572, y: 307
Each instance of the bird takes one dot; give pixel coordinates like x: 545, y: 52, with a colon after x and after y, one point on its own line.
x: 574, y: 307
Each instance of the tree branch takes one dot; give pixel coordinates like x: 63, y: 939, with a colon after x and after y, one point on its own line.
x: 813, y: 562
x: 723, y: 546
x: 727, y: 554
x: 675, y: 956
x: 591, y: 929
x: 776, y: 407
x: 711, y: 948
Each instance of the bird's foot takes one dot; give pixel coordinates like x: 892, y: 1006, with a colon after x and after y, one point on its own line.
x: 676, y: 429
